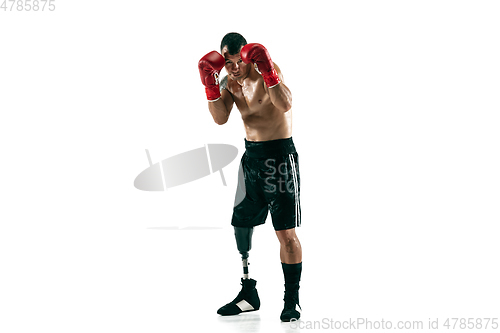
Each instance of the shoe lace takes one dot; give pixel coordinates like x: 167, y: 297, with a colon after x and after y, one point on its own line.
x: 242, y: 294
x: 291, y: 299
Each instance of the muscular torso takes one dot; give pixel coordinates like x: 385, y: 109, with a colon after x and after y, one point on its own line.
x: 262, y: 120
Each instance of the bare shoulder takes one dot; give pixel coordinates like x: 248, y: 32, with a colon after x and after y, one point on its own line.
x: 223, y: 83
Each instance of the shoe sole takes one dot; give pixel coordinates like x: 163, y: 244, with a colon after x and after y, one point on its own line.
x: 226, y: 315
x: 288, y: 320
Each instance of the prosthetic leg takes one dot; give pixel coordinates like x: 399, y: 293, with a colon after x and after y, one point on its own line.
x: 244, y: 243
x: 248, y: 298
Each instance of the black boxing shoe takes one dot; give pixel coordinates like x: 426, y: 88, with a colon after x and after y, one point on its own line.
x: 292, y: 308
x: 246, y: 301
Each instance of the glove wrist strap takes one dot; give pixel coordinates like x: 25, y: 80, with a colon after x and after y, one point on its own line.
x: 271, y: 78
x: 213, y: 93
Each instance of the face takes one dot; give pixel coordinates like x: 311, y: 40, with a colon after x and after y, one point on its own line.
x: 235, y: 67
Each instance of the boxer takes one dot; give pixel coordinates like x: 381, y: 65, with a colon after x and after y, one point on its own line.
x: 269, y: 170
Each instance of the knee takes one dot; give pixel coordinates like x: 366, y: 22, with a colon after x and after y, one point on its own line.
x: 290, y: 243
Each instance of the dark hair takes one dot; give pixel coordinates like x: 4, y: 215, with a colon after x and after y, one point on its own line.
x: 234, y: 41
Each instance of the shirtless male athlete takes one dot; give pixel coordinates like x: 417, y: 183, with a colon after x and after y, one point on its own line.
x: 269, y: 170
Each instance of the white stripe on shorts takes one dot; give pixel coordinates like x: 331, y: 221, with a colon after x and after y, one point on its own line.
x: 296, y: 190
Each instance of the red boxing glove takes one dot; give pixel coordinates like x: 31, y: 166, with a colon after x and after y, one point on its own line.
x: 210, y: 66
x: 258, y: 55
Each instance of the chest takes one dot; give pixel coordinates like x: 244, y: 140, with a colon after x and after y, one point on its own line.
x: 251, y: 96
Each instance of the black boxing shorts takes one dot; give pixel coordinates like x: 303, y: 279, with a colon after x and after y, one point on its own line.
x: 268, y: 180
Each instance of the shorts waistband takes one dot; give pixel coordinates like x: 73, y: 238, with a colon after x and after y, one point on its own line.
x: 265, y: 149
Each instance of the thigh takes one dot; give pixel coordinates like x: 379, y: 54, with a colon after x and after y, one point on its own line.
x: 250, y: 208
x: 282, y: 191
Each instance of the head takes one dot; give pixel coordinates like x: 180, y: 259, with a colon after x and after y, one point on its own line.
x: 230, y: 48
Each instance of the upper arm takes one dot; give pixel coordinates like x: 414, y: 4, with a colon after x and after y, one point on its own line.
x: 225, y: 94
x: 281, y: 96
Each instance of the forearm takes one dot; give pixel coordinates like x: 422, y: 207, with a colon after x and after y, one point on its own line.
x: 281, y: 97
x: 219, y: 111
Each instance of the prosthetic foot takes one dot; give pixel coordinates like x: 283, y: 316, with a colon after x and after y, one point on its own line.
x: 246, y: 301
x: 248, y: 298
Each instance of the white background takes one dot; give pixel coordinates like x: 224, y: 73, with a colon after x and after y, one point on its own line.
x: 396, y: 117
